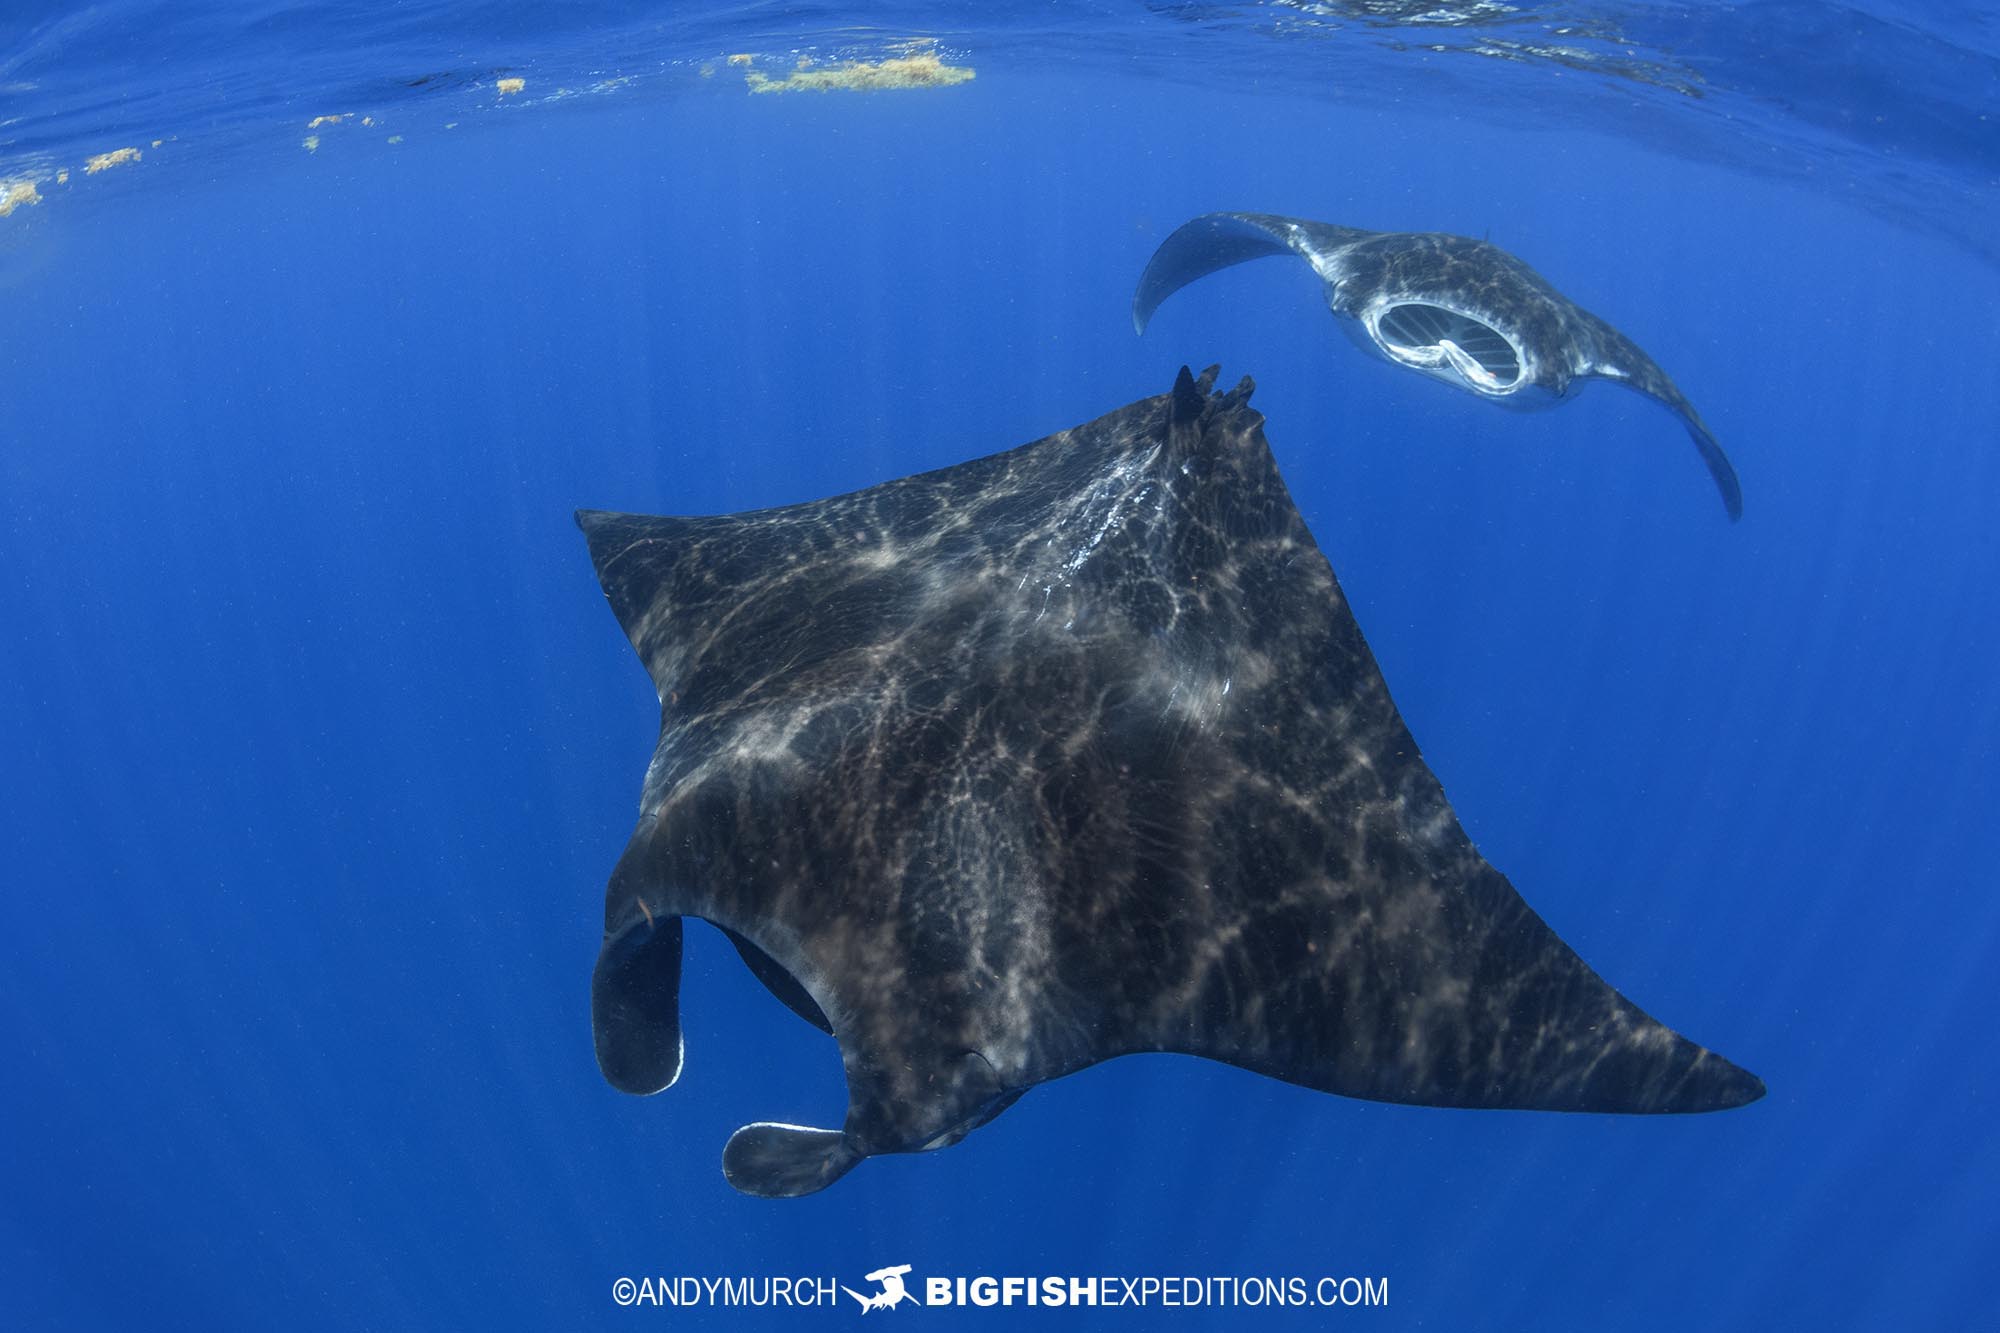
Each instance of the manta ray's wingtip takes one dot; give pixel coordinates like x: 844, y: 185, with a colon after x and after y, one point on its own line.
x: 1728, y: 1085
x: 1142, y: 310
x: 1732, y: 498
x: 1720, y: 468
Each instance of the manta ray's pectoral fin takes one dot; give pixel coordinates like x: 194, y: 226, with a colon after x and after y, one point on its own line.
x: 1218, y: 240
x: 1210, y: 242
x: 1489, y: 1008
x: 1661, y: 389
x: 635, y: 1006
x: 777, y: 1161
x: 1623, y: 363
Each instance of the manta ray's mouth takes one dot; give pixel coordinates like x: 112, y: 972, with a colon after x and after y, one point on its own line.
x: 1447, y: 343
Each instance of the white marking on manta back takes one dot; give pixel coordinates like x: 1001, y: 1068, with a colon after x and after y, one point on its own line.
x: 1114, y: 493
x: 1101, y: 510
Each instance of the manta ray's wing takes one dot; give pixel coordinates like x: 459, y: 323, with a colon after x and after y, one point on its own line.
x: 1218, y: 240
x: 1619, y: 360
x: 1064, y: 754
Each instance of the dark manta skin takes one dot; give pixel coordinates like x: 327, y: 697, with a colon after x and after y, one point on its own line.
x: 1067, y: 753
x: 1461, y: 311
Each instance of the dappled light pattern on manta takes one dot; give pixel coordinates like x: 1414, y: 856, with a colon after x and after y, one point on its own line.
x: 1072, y: 752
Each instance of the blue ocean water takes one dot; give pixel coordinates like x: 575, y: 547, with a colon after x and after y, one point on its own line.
x: 319, y: 742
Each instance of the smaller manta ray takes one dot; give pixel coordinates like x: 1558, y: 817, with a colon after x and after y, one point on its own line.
x: 893, y: 1291
x: 1072, y: 752
x: 1458, y: 310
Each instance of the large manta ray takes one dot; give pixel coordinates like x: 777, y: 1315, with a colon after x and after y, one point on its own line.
x: 1068, y: 753
x: 1458, y: 310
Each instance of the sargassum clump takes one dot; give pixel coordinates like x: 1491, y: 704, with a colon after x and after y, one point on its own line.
x: 106, y: 161
x: 923, y: 70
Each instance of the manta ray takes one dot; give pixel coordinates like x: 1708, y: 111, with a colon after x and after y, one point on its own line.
x: 1461, y: 311
x: 1071, y: 752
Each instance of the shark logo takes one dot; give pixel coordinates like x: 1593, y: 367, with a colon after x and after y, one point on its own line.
x: 893, y: 1291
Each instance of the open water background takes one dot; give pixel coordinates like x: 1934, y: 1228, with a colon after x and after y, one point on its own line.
x: 317, y: 740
